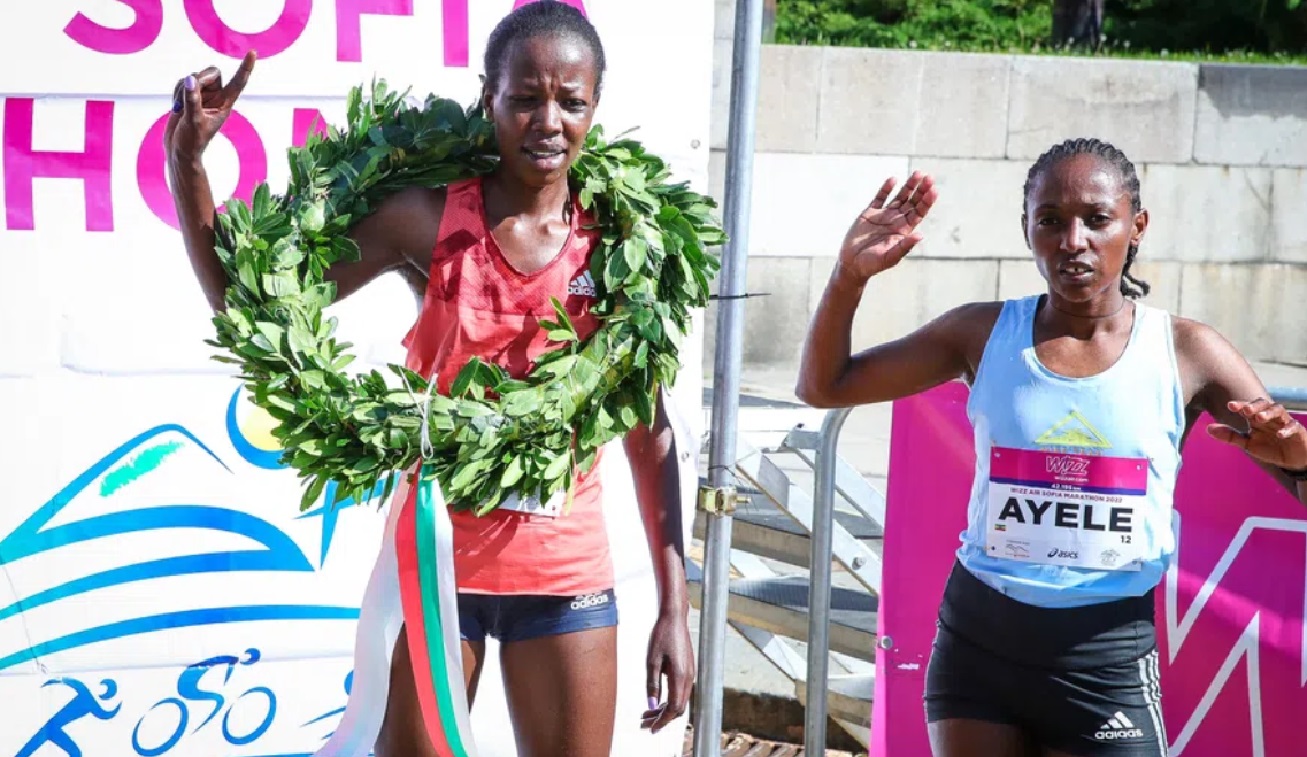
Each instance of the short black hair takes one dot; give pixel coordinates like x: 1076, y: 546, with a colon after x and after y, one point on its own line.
x: 1113, y: 156
x: 541, y: 18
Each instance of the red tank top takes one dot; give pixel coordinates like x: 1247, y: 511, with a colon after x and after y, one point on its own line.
x: 477, y: 304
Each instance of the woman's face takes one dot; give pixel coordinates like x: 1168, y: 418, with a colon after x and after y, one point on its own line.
x: 542, y: 106
x: 1080, y: 225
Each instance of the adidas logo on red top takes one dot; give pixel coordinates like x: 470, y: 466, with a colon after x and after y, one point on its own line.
x: 583, y: 285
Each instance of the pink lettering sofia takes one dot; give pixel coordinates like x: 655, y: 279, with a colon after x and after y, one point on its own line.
x: 147, y: 25
x: 93, y: 164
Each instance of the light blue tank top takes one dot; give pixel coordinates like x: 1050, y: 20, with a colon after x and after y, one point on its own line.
x: 1072, y: 499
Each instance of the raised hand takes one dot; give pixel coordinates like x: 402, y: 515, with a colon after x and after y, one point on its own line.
x: 1273, y: 437
x: 201, y: 104
x: 886, y: 231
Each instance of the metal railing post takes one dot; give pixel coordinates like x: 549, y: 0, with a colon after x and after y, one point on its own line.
x: 1293, y: 398
x: 814, y: 731
x: 726, y: 378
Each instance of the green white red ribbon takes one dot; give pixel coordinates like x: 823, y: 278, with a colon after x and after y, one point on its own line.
x: 413, y: 583
x: 429, y: 593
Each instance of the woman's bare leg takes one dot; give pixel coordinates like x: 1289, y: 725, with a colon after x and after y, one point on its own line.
x: 403, y: 733
x: 979, y: 738
x: 562, y: 693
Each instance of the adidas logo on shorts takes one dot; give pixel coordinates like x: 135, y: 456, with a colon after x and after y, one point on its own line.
x: 589, y: 600
x: 1118, y: 727
x: 583, y: 285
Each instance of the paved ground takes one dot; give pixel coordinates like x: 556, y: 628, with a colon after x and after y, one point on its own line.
x: 743, y: 745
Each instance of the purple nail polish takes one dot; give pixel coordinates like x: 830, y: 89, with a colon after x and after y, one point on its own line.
x: 653, y: 703
x: 177, y: 106
x: 189, y: 83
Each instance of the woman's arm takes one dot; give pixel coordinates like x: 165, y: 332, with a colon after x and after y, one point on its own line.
x: 201, y: 105
x: 940, y: 351
x: 829, y: 376
x: 655, y: 468
x: 1222, y: 383
x: 401, y: 231
x: 384, y: 238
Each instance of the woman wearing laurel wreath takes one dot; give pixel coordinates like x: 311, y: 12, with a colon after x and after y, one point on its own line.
x: 485, y: 256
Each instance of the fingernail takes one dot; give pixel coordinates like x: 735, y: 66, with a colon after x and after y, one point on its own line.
x: 189, y: 83
x: 653, y: 703
x: 176, y: 106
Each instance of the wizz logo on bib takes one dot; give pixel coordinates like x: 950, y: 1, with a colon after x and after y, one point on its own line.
x: 1067, y: 465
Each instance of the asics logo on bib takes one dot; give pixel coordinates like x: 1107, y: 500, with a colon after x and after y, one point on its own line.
x: 589, y: 600
x: 583, y: 285
x: 1085, y: 516
x: 1118, y: 727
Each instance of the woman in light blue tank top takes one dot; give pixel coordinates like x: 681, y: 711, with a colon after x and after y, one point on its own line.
x: 1081, y: 399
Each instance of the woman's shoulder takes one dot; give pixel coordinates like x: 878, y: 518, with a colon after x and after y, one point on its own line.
x: 985, y: 310
x: 410, y: 221
x: 975, y: 318
x: 414, y: 210
x: 1198, y: 340
x: 966, y: 328
x: 415, y: 202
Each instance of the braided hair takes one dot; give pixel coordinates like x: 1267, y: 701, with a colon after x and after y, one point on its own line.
x: 1110, y: 154
x: 538, y: 19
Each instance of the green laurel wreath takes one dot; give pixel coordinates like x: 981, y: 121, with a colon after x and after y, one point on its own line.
x: 492, y: 435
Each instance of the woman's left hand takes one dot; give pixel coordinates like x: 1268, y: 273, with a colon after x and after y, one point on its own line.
x: 1274, y: 436
x: 670, y: 656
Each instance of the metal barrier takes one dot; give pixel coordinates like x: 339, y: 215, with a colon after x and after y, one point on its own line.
x: 819, y: 596
x: 814, y: 731
x: 1292, y: 397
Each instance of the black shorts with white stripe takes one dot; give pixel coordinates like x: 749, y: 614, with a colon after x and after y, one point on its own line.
x: 1083, y: 681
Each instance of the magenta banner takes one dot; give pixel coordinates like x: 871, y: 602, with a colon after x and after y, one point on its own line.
x: 1230, y: 612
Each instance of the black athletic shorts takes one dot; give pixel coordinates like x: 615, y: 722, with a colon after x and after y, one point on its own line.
x: 1082, y: 680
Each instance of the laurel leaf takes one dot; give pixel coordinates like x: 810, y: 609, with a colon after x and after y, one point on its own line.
x: 492, y: 433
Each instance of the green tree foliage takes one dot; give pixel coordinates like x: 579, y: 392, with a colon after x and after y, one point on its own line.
x: 967, y: 24
x: 1271, y: 27
x: 1267, y: 26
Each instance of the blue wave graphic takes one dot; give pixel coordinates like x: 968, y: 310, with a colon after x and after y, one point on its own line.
x: 216, y: 562
x: 279, y: 553
x: 154, y: 518
x: 180, y: 619
x: 330, y: 514
x: 271, y: 460
x: 32, y: 537
x: 29, y: 538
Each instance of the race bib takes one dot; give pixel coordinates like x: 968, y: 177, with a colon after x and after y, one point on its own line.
x: 533, y: 506
x: 1061, y: 509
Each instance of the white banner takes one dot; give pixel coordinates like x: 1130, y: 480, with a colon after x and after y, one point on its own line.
x: 161, y: 592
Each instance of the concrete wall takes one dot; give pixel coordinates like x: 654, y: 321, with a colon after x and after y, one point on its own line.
x: 1221, y: 152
